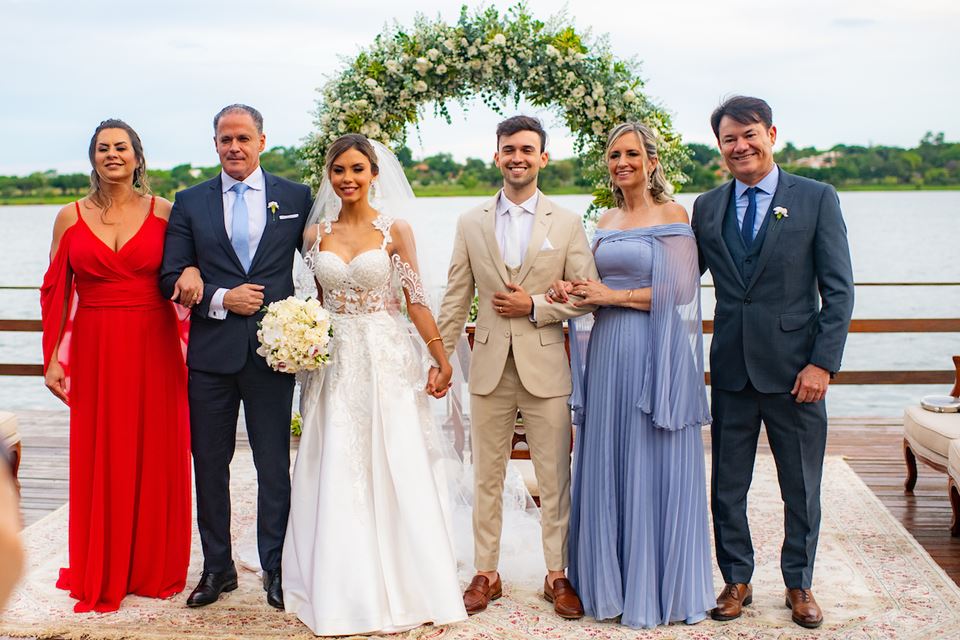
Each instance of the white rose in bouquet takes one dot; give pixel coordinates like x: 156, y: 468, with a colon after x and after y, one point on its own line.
x: 295, y: 335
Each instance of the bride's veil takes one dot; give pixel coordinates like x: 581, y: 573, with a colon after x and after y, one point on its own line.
x: 448, y: 434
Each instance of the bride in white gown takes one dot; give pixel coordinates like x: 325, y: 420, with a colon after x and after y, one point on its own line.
x: 369, y: 542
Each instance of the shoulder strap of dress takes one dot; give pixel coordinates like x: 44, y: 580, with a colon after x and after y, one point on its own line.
x: 76, y: 203
x: 153, y: 201
x: 382, y: 224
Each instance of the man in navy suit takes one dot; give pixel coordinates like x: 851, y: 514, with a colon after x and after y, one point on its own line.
x: 776, y: 246
x: 241, y: 230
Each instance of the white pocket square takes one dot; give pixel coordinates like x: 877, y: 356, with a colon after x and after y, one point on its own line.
x: 546, y: 245
x: 289, y: 215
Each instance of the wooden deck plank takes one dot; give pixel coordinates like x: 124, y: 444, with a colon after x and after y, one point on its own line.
x: 871, y: 446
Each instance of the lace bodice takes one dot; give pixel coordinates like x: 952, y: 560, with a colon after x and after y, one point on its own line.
x: 365, y: 284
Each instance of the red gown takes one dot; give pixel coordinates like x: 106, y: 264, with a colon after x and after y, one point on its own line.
x: 130, y: 507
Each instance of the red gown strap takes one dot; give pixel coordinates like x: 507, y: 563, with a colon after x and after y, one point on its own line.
x: 58, y: 303
x: 153, y: 201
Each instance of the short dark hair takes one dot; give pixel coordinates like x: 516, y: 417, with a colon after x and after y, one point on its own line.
x: 743, y: 109
x: 231, y: 108
x: 517, y: 124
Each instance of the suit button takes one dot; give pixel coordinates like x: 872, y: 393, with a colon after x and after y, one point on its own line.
x: 506, y: 334
x: 747, y: 301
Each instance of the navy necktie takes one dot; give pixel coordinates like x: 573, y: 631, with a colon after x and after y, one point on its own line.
x: 241, y: 226
x: 749, y: 218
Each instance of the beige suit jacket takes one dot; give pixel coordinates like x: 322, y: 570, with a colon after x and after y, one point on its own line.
x: 477, y: 263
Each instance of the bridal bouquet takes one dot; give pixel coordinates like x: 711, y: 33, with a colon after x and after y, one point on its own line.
x: 294, y: 335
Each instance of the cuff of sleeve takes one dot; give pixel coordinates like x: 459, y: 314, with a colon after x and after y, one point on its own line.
x: 217, y: 312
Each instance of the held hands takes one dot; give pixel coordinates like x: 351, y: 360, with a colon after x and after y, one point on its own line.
x: 516, y: 304
x: 56, y: 380
x: 558, y: 292
x: 188, y: 290
x: 592, y: 292
x: 244, y: 300
x: 811, y: 384
x: 438, y: 380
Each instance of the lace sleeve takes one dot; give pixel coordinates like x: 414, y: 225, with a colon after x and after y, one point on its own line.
x: 404, y: 260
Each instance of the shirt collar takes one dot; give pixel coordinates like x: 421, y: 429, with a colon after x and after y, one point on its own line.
x: 255, y: 180
x: 768, y: 185
x: 528, y: 206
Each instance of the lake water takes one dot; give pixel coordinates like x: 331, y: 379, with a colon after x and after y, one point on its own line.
x: 894, y: 237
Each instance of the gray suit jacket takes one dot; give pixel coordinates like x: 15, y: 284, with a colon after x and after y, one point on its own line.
x: 795, y: 309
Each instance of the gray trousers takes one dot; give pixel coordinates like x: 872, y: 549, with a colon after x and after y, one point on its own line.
x: 798, y: 436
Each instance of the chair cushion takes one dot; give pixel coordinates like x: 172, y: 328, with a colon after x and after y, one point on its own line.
x: 931, y: 433
x: 953, y: 460
x: 9, y: 435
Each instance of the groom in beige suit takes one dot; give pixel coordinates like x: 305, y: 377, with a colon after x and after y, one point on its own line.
x: 510, y: 250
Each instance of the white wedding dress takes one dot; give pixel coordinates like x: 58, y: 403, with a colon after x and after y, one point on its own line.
x: 369, y: 541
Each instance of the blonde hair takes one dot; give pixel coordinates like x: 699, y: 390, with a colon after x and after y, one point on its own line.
x: 660, y: 187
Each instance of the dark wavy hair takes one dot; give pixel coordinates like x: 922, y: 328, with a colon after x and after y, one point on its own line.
x: 743, y: 109
x: 351, y: 141
x: 140, y: 183
x: 516, y: 124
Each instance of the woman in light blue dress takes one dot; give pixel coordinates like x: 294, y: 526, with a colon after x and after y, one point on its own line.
x: 639, y: 539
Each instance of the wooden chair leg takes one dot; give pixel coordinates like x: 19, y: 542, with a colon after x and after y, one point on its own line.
x: 955, y: 506
x: 911, y: 461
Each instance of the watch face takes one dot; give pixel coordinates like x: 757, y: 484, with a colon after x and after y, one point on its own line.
x: 941, y: 404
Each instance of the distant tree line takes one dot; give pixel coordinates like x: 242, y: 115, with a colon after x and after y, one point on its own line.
x: 933, y: 163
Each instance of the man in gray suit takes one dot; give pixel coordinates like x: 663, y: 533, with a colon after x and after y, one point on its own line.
x: 776, y: 245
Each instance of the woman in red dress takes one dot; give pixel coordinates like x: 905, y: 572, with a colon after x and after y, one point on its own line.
x: 113, y: 352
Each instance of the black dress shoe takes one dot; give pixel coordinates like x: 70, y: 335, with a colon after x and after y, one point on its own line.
x: 211, y: 585
x: 274, y: 588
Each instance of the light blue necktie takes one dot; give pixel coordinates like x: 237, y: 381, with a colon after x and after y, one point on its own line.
x: 240, y: 238
x: 749, y: 218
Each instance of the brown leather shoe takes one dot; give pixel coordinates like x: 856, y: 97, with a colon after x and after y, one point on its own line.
x: 566, y: 602
x: 480, y: 592
x: 731, y: 601
x: 806, y: 611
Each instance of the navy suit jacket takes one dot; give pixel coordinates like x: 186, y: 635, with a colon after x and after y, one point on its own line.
x: 196, y: 236
x: 796, y: 308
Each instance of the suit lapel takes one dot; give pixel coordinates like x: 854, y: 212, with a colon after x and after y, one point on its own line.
x: 541, y: 225
x: 782, y: 198
x: 716, y: 229
x: 217, y: 220
x: 270, y: 185
x: 489, y: 224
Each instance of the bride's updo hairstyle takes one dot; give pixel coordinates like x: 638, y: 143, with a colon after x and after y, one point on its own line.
x: 140, y: 183
x: 351, y: 141
x: 660, y: 187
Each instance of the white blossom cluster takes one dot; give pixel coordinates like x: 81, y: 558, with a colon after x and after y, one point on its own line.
x: 496, y: 57
x: 295, y: 335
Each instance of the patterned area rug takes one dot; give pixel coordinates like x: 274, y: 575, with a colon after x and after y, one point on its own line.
x: 873, y: 581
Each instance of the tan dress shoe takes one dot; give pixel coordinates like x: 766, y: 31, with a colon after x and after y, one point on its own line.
x: 806, y: 611
x: 480, y: 592
x: 731, y: 601
x: 566, y: 602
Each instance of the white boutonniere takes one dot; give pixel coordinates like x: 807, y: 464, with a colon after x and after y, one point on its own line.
x: 273, y: 206
x: 780, y: 213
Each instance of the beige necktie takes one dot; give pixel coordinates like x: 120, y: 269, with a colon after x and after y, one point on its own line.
x: 512, y: 255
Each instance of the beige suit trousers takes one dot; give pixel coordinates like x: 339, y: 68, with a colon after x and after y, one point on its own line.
x: 547, y: 425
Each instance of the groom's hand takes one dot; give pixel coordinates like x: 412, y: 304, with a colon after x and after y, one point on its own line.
x: 811, y: 384
x: 244, y: 300
x: 516, y: 304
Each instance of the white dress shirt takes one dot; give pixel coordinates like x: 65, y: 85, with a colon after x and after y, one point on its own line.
x: 256, y: 200
x: 526, y: 221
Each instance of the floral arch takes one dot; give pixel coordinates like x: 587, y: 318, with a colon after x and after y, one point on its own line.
x: 485, y: 54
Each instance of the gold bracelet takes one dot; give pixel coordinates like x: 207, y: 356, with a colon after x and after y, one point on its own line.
x: 432, y: 340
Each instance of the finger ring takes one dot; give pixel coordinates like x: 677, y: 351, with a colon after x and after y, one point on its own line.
x: 500, y: 309
x: 551, y: 292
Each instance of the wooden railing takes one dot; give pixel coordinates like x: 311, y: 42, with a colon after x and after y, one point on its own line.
x: 903, y: 325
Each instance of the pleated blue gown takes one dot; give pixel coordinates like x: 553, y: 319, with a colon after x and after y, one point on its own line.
x: 639, y: 539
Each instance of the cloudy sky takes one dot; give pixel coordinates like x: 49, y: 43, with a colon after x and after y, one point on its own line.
x: 856, y: 71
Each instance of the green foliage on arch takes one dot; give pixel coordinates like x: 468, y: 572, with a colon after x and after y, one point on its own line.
x: 498, y: 58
